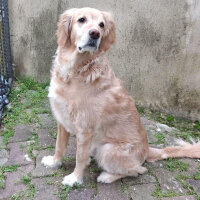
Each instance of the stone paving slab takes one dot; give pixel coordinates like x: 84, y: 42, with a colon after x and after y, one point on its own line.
x: 167, y: 180
x: 90, y: 178
x: 4, y: 155
x: 110, y: 192
x: 17, y: 156
x: 13, y: 184
x: 21, y: 133
x: 44, y: 138
x: 195, y: 184
x: 83, y: 194
x: 193, y: 166
x: 40, y: 170
x: 141, y: 179
x: 47, y: 121
x: 142, y: 192
x: 45, y: 188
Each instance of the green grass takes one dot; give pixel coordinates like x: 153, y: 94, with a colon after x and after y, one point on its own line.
x: 197, y: 176
x: 26, y: 179
x: 66, y: 189
x: 160, y: 194
x: 29, y: 192
x: 175, y: 164
x: 26, y: 194
x: 182, y: 177
x: 33, y: 95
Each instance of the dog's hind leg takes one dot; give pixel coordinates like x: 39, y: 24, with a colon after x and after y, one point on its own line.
x: 61, y: 143
x: 106, y: 177
x: 117, y: 162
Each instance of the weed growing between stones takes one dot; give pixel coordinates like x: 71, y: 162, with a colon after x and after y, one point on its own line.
x: 175, y: 164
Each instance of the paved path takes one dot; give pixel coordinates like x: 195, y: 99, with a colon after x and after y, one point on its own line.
x: 23, y: 177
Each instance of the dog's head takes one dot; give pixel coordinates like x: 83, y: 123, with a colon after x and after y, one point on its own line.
x: 86, y: 30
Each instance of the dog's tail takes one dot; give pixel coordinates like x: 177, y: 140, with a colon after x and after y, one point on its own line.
x: 184, y: 150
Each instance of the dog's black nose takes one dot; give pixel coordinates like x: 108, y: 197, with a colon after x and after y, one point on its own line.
x: 94, y: 34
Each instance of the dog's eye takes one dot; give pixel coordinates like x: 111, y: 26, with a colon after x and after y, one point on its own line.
x: 101, y: 24
x: 82, y: 20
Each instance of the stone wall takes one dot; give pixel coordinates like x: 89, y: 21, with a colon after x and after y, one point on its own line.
x: 157, y: 52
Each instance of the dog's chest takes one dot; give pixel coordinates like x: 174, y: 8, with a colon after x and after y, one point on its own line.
x: 60, y: 108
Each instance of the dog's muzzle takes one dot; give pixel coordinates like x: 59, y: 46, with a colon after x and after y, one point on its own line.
x: 93, y: 41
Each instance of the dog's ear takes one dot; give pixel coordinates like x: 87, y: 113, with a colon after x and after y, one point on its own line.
x: 109, y: 36
x: 64, y: 28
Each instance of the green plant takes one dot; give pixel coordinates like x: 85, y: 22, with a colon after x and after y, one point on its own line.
x: 160, y: 138
x: 175, y: 164
x: 197, y: 176
x: 26, y: 179
x: 33, y: 95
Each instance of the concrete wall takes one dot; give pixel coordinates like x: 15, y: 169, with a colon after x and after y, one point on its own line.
x: 157, y: 52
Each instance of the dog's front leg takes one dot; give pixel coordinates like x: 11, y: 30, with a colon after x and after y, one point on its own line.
x: 83, y: 140
x: 61, y: 143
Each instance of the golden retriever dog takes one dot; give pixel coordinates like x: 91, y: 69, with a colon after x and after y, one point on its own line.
x: 89, y: 100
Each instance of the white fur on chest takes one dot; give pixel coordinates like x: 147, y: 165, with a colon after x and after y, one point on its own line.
x: 60, y: 108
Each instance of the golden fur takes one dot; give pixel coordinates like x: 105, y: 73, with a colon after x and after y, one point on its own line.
x: 89, y: 100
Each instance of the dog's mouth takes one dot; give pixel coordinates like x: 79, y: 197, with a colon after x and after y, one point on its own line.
x: 90, y: 46
x: 92, y: 43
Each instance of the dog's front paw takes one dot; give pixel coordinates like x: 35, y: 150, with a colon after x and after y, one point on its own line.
x: 71, y: 180
x: 48, y: 161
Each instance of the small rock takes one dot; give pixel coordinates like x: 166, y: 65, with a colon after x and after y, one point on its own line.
x: 163, y: 127
x: 27, y: 158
